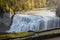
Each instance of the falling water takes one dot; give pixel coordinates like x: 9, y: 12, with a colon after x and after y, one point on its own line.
x: 23, y: 23
x: 20, y: 23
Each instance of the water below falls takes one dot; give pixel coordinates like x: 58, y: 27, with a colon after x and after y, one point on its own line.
x: 23, y: 23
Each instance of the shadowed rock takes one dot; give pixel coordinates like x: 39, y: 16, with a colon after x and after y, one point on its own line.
x: 1, y: 12
x: 58, y: 11
x: 3, y: 27
x: 5, y: 23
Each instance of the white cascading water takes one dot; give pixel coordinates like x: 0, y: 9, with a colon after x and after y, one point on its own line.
x: 23, y: 23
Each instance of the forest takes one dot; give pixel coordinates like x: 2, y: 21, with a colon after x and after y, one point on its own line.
x: 19, y: 5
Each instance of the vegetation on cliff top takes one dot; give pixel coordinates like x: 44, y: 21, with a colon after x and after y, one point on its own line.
x: 19, y: 5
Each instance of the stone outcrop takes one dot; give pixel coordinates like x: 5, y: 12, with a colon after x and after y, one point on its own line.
x: 58, y: 11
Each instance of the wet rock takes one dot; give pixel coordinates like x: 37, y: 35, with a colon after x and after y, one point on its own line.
x: 58, y: 11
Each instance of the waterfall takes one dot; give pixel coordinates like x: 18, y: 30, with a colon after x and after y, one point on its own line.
x: 41, y: 20
x: 25, y: 23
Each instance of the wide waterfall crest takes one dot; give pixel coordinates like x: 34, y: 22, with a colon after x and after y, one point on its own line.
x: 25, y: 23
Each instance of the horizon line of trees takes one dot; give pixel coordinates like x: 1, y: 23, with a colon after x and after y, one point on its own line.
x: 19, y: 5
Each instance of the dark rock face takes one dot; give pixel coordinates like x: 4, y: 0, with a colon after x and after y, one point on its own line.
x: 5, y: 23
x: 58, y: 11
x: 4, y: 20
x: 3, y: 27
x: 1, y: 12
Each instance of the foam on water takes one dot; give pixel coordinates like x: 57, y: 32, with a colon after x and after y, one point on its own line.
x: 25, y: 23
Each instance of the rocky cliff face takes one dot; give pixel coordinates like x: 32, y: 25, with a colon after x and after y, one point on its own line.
x: 55, y: 38
x: 58, y: 10
x: 5, y: 22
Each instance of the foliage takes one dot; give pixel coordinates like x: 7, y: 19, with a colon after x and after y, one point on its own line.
x: 24, y: 34
x: 20, y: 5
x: 14, y: 35
x: 49, y: 32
